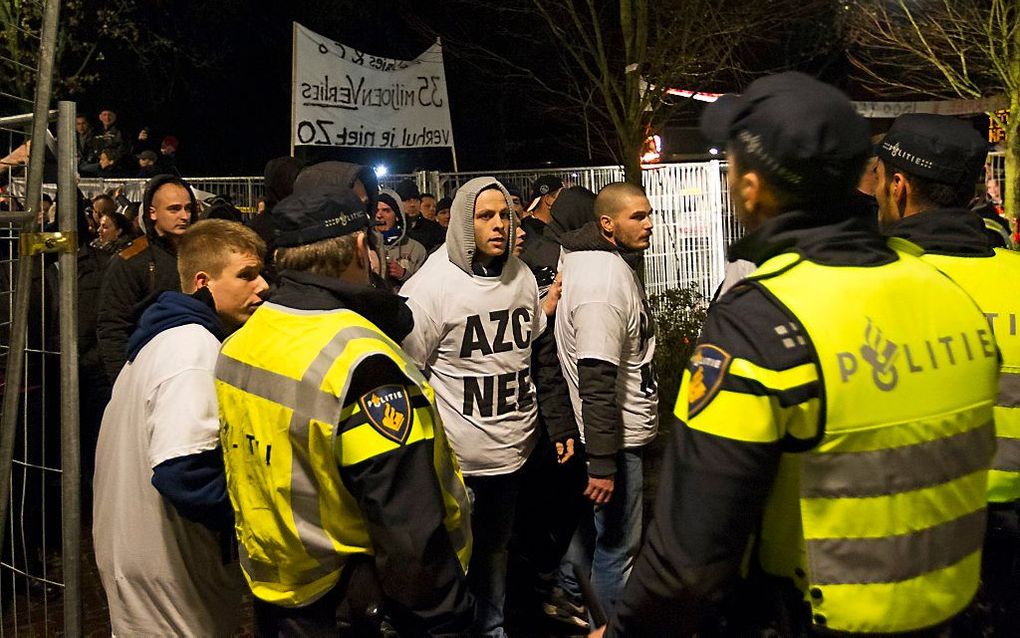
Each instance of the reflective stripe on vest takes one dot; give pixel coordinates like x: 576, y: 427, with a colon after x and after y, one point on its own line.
x: 891, y: 501
x: 282, y: 482
x: 991, y: 281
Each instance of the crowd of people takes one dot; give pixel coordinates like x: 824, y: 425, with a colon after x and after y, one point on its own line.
x: 105, y: 151
x: 381, y: 411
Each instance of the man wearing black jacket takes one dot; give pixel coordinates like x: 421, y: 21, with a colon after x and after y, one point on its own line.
x: 144, y: 269
x: 424, y: 231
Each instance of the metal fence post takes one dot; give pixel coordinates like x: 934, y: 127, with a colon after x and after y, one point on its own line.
x: 19, y: 327
x: 70, y: 446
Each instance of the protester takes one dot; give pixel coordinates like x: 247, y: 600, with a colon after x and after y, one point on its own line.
x: 476, y: 311
x: 345, y: 490
x: 424, y: 231
x: 443, y: 212
x: 161, y: 512
x: 110, y: 136
x: 428, y: 206
x: 87, y: 153
x: 400, y: 256
x: 518, y: 202
x: 543, y: 195
x: 605, y: 333
x: 819, y: 465
x: 147, y: 164
x: 145, y: 268
x: 168, y: 156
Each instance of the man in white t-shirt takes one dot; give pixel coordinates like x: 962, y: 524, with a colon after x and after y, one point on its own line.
x: 476, y: 311
x: 162, y: 516
x: 605, y: 333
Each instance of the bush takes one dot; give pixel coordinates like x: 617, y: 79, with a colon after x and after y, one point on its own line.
x: 679, y: 315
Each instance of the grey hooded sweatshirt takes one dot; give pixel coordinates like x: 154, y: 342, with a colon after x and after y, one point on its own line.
x: 473, y: 329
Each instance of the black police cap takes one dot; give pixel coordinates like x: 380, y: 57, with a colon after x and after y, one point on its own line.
x: 804, y: 132
x: 937, y: 147
x: 318, y: 213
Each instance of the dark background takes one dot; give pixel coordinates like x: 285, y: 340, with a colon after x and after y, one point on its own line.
x: 221, y: 82
x: 225, y: 91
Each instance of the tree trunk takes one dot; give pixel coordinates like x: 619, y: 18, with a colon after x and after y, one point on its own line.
x: 1011, y: 196
x: 630, y: 142
x: 631, y: 163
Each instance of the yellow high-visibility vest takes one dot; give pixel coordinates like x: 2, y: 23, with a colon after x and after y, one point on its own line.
x: 282, y: 383
x: 992, y: 282
x: 881, y: 523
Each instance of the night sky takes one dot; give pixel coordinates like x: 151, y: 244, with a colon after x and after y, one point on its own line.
x: 223, y: 86
x: 225, y: 92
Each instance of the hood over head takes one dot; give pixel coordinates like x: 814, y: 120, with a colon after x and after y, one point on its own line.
x: 280, y: 174
x: 574, y: 208
x: 151, y: 187
x: 396, y: 203
x: 460, y: 235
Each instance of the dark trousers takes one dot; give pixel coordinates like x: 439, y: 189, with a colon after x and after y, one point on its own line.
x: 492, y: 519
x: 352, y: 608
x: 549, y: 507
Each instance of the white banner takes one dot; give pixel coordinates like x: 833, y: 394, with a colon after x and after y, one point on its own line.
x: 344, y: 97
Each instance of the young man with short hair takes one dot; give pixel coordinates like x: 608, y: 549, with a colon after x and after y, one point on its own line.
x: 428, y: 206
x: 424, y: 231
x: 401, y: 255
x: 162, y: 518
x: 606, y: 338
x: 145, y: 268
x: 476, y: 312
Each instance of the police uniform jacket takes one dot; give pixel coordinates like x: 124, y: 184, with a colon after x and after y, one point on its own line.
x: 956, y: 241
x: 370, y: 475
x: 792, y: 456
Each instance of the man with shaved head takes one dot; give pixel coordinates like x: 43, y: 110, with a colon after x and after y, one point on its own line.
x: 606, y: 339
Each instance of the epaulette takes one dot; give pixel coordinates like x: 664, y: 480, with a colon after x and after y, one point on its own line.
x: 134, y: 248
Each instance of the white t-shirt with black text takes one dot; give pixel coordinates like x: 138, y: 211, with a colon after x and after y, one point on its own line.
x: 604, y: 314
x: 472, y: 335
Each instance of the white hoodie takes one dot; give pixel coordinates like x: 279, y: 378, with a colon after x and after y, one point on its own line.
x: 472, y: 335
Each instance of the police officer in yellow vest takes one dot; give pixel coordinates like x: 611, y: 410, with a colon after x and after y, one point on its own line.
x: 834, y: 425
x: 344, y: 487
x: 928, y: 168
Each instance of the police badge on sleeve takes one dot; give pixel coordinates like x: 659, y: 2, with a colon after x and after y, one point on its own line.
x: 388, y: 410
x: 708, y: 368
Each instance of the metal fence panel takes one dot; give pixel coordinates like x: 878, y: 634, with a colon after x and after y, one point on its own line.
x: 31, y: 579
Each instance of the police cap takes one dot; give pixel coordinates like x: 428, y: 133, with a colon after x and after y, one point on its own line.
x: 318, y: 213
x: 937, y: 147
x: 804, y: 133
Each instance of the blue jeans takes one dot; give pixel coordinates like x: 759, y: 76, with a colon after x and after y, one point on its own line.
x: 617, y: 535
x: 492, y: 522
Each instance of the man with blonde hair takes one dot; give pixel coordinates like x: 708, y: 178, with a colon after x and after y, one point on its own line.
x: 345, y: 490
x: 161, y: 512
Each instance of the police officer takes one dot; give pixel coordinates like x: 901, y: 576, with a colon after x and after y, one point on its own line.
x: 834, y: 424
x: 344, y: 487
x: 928, y: 167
